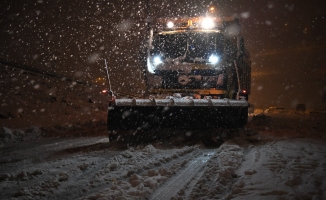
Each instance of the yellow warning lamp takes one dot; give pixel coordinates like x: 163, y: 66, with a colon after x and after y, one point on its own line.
x: 212, y: 9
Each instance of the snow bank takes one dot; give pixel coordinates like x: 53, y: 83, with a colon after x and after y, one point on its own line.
x: 11, y: 136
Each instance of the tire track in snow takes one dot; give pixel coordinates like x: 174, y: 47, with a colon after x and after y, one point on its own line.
x: 176, y: 183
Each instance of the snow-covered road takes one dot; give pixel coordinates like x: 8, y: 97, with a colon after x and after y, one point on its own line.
x: 269, y: 159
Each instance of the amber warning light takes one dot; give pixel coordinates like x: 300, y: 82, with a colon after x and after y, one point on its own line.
x: 104, y: 91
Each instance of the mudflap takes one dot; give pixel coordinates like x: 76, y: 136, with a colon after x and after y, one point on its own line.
x: 132, y: 119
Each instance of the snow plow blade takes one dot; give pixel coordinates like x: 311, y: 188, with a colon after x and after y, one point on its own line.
x: 176, y: 114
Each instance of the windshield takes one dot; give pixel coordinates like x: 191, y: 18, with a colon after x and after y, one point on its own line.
x: 191, y: 46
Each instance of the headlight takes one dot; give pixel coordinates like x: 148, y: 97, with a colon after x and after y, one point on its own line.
x: 170, y: 24
x: 157, y: 60
x: 208, y: 23
x: 153, y: 62
x: 213, y: 59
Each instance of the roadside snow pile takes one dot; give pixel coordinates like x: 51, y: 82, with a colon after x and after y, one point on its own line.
x: 8, y: 135
x: 11, y: 136
x: 258, y: 111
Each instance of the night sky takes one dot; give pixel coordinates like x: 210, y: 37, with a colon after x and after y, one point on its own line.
x: 286, y: 40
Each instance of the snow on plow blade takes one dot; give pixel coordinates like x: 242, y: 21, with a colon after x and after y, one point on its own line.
x: 176, y: 113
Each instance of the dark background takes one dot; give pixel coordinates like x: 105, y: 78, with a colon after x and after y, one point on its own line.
x: 286, y: 40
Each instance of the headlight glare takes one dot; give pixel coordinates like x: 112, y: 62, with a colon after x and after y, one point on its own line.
x: 170, y: 24
x: 208, y: 23
x: 213, y: 59
x: 157, y: 60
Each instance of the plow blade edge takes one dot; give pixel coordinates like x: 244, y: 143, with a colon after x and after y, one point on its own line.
x: 177, y: 114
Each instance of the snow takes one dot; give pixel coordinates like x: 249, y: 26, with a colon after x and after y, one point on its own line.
x: 269, y: 160
x: 294, y: 169
x: 64, y: 153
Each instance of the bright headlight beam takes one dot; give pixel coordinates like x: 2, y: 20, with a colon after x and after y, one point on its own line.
x: 157, y: 60
x: 170, y: 24
x: 213, y: 59
x: 207, y: 23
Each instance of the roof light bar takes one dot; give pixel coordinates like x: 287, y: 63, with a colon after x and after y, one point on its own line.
x: 207, y: 23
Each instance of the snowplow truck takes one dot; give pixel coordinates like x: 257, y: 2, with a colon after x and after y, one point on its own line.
x: 197, y: 73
